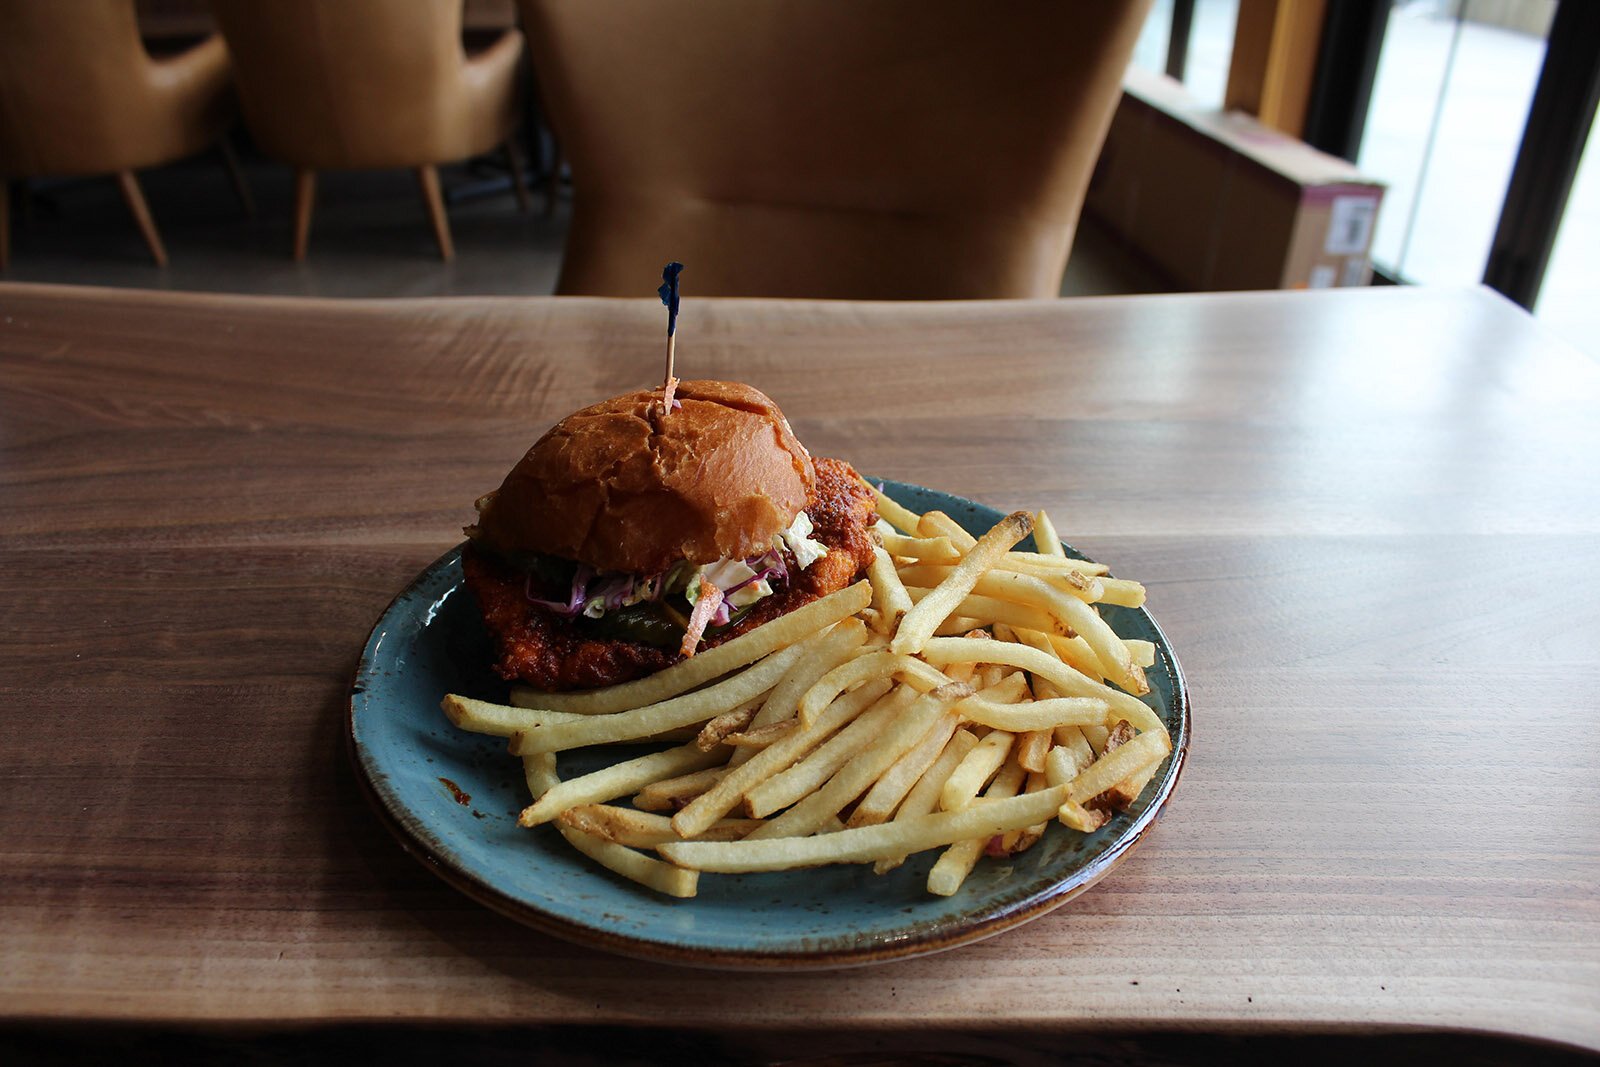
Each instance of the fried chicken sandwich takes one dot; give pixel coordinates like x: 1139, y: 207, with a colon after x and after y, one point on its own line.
x: 644, y: 528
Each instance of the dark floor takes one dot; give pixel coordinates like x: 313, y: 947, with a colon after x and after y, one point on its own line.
x: 369, y: 237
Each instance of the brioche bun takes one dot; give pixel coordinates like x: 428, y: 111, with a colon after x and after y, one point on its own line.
x: 621, y: 487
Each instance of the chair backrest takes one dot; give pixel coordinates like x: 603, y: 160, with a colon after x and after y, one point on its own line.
x: 829, y: 148
x: 349, y: 83
x: 73, y: 86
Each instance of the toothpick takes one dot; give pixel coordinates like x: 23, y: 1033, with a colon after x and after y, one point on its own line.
x: 669, y: 296
x: 670, y: 386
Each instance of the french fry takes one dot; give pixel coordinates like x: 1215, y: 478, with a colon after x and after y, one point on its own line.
x: 919, y: 623
x: 943, y: 650
x: 782, y: 632
x: 969, y: 777
x: 1085, y: 587
x: 1044, y: 562
x: 978, y: 610
x: 643, y: 829
x: 665, y: 878
x: 938, y: 524
x: 864, y: 843
x: 1069, y: 737
x: 1123, y: 593
x: 1032, y: 746
x: 865, y: 668
x: 1009, y: 689
x: 924, y: 796
x: 1116, y: 662
x: 1077, y: 573
x: 686, y: 710
x: 1074, y: 583
x: 823, y: 653
x: 1077, y: 655
x: 963, y: 672
x: 1121, y: 733
x: 497, y: 720
x: 717, y: 730
x: 1045, y: 537
x: 989, y: 676
x: 1018, y: 841
x: 1080, y: 818
x: 888, y: 791
x: 1121, y: 796
x: 1072, y: 736
x: 1002, y: 632
x: 717, y: 801
x: 762, y: 736
x: 1070, y: 740
x: 938, y: 549
x: 1061, y: 765
x: 540, y: 773
x: 1143, y: 652
x: 893, y: 513
x: 808, y: 775
x: 866, y: 766
x: 1108, y: 770
x: 1035, y: 715
x: 958, y: 625
x: 616, y: 780
x: 1073, y: 651
x: 1001, y: 587
x: 503, y: 720
x: 670, y: 794
x: 957, y: 862
x: 889, y: 594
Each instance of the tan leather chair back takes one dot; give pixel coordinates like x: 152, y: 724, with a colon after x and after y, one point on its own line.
x: 829, y: 148
x: 79, y: 94
x: 357, y: 83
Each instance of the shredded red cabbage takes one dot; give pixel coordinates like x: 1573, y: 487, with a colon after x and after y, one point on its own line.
x: 615, y: 591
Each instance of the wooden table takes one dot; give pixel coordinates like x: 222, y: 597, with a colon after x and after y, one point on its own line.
x: 1369, y: 521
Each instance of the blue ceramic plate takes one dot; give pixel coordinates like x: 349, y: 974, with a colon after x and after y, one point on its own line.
x: 452, y: 799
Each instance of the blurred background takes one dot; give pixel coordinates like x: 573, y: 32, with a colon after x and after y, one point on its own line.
x: 1465, y: 122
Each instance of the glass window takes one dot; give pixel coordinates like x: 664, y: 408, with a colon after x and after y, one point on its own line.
x: 1446, y: 119
x: 1205, y: 72
x: 1210, y: 50
x: 1150, y: 53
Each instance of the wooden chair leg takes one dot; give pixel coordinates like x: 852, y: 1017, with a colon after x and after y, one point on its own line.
x: 241, y: 188
x: 305, y: 197
x: 134, y: 196
x: 519, y: 180
x: 429, y: 178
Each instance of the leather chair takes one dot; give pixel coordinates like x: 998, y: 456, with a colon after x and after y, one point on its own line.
x: 80, y: 95
x: 917, y: 149
x: 365, y: 84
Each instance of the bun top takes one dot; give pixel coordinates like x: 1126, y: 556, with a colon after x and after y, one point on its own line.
x: 621, y: 487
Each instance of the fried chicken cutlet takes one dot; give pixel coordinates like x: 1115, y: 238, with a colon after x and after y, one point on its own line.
x: 539, y: 647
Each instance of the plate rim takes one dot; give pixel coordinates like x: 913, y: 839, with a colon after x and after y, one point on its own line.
x: 661, y: 950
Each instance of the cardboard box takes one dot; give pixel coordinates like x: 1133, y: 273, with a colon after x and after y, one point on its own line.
x: 1218, y: 201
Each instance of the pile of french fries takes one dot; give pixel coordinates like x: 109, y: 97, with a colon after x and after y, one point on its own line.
x: 962, y: 697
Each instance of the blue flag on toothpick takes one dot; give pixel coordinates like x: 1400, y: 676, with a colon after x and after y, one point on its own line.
x: 669, y: 294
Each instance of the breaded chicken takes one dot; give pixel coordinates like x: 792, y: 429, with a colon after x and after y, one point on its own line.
x: 551, y: 652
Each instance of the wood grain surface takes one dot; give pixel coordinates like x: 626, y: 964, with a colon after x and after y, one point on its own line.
x: 1369, y: 522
